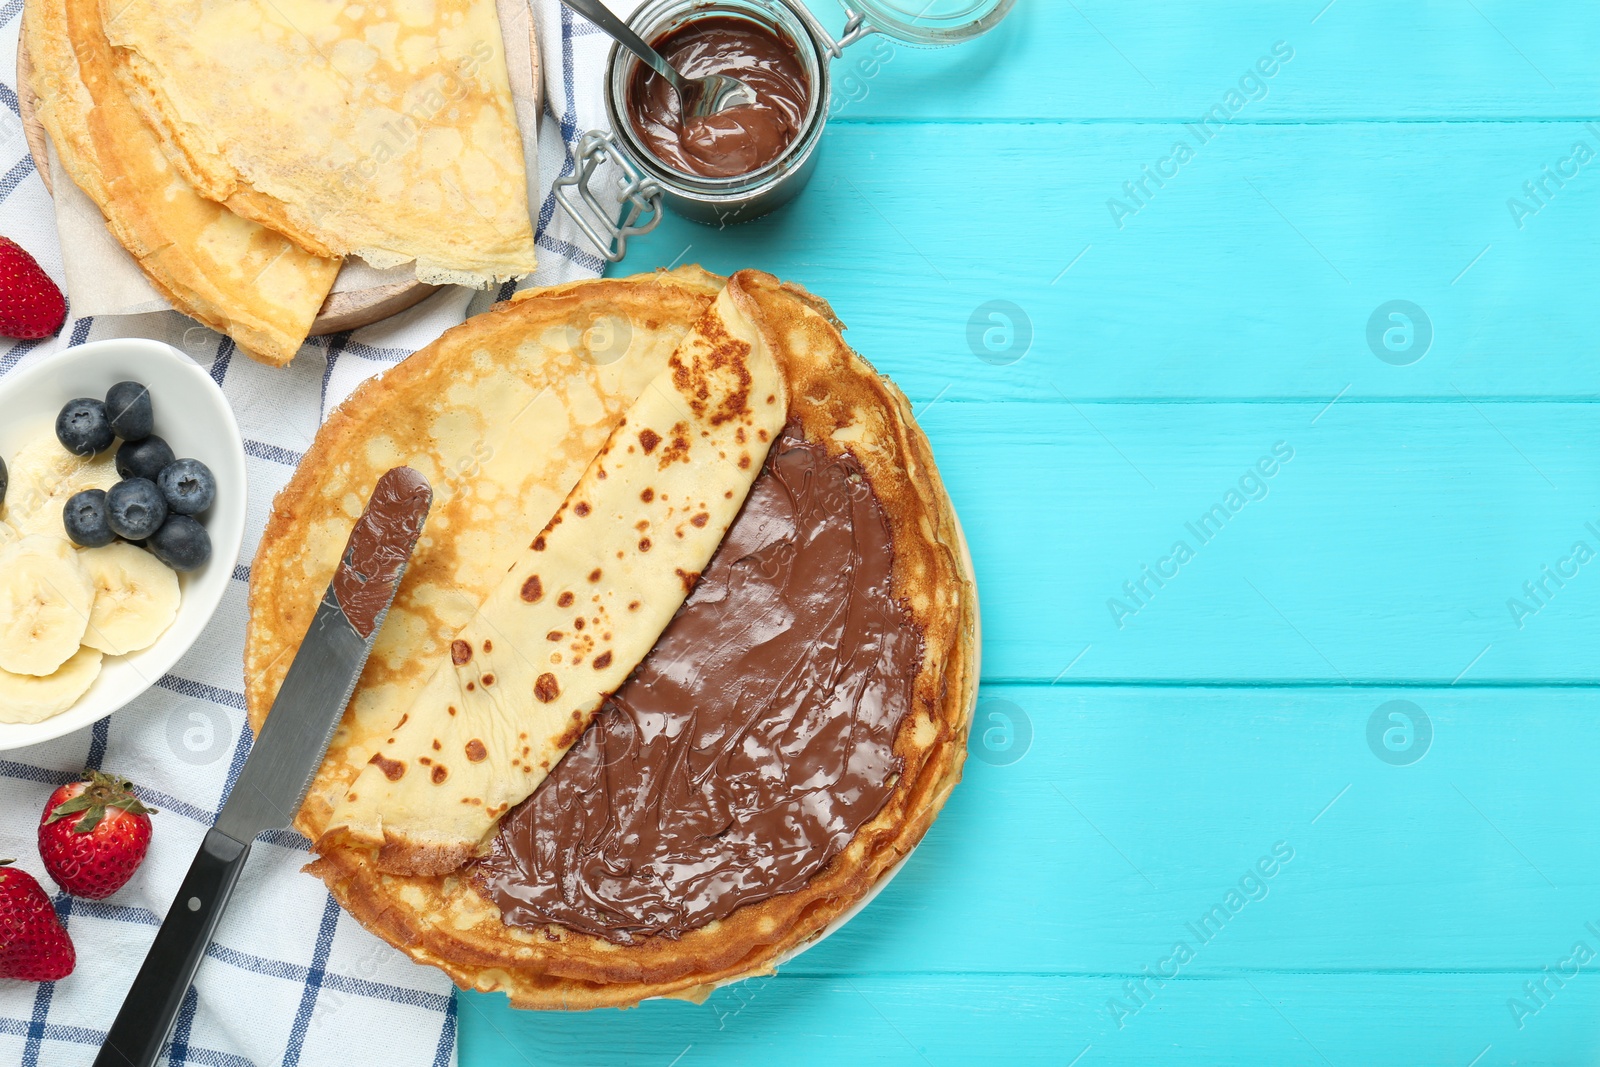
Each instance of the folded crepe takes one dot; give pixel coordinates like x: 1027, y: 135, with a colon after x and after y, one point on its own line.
x: 578, y: 609
x: 379, y: 130
x: 234, y: 275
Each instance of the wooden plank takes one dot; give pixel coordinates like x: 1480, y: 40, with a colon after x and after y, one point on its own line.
x: 1354, y: 59
x: 1124, y: 815
x: 1253, y: 273
x: 924, y: 1021
x: 1394, y: 546
x: 1053, y: 880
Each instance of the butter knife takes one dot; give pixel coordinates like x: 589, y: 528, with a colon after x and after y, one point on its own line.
x: 285, y: 757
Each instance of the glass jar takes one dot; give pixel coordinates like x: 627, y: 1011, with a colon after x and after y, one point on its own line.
x: 646, y: 184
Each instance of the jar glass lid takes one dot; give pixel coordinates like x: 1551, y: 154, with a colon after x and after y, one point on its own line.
x: 931, y: 22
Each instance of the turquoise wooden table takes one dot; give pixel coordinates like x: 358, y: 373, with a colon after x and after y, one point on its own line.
x: 1257, y: 345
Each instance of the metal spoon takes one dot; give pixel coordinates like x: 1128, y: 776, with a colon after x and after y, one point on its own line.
x: 698, y: 97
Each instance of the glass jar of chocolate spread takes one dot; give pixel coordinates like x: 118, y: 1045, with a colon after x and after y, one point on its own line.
x: 747, y: 160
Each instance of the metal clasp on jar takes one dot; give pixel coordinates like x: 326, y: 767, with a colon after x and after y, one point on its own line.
x: 640, y: 196
x: 648, y: 186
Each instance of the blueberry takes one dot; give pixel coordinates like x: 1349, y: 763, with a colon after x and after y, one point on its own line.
x: 182, y: 544
x: 135, y: 508
x: 82, y: 427
x: 188, y: 486
x: 144, y: 459
x: 86, y: 519
x: 5, y: 480
x: 129, y: 409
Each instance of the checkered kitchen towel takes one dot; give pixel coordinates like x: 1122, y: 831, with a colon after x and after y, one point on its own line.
x: 290, y: 978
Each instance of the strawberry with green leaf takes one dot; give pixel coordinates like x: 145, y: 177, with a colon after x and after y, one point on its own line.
x: 94, y: 834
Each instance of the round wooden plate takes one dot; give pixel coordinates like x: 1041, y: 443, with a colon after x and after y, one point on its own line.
x: 348, y: 310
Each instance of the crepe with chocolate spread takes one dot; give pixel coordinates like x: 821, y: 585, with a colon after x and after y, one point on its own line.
x: 577, y: 610
x: 788, y: 739
x: 384, y: 131
x: 234, y: 275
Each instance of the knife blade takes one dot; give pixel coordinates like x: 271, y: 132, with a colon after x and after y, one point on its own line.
x: 282, y: 762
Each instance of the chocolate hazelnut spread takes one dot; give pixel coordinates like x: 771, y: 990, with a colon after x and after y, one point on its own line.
x: 379, y: 546
x: 750, y: 745
x: 736, y: 140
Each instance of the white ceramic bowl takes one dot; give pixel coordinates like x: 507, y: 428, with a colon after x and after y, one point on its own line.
x: 194, y: 418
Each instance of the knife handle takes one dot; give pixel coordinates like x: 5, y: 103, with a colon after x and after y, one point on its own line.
x: 147, y: 1014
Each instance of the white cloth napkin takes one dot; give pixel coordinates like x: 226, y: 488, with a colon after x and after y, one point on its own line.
x: 290, y: 979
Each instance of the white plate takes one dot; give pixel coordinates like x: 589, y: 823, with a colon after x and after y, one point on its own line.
x: 194, y: 418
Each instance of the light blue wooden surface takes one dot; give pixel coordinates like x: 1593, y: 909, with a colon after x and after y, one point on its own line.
x: 1230, y: 712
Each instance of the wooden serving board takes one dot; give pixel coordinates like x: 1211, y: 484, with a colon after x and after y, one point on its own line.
x: 348, y: 310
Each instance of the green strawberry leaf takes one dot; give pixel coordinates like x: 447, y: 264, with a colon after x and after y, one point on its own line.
x: 90, y: 820
x: 82, y: 802
x: 131, y: 805
x: 102, y: 791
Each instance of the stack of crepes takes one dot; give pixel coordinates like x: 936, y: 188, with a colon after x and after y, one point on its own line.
x: 239, y: 149
x: 685, y: 658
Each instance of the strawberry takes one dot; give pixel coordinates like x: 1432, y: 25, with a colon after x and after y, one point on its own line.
x: 34, y: 946
x: 94, y: 856
x: 31, y: 306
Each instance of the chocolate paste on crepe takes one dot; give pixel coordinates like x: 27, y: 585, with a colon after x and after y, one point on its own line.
x: 736, y: 140
x: 520, y: 359
x: 750, y: 745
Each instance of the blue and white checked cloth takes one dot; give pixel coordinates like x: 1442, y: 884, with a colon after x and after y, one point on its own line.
x: 290, y: 978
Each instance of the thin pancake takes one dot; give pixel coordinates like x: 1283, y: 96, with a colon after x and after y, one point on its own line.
x: 233, y: 275
x: 379, y: 130
x: 840, y: 404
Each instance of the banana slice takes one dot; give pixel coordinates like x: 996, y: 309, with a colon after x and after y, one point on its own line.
x: 135, y: 598
x: 45, y: 598
x: 44, y: 476
x: 29, y: 698
x: 35, y: 470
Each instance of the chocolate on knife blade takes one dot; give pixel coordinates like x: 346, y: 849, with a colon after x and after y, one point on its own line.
x: 379, y: 546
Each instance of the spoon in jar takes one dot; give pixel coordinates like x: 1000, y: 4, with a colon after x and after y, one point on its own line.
x: 698, y: 97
